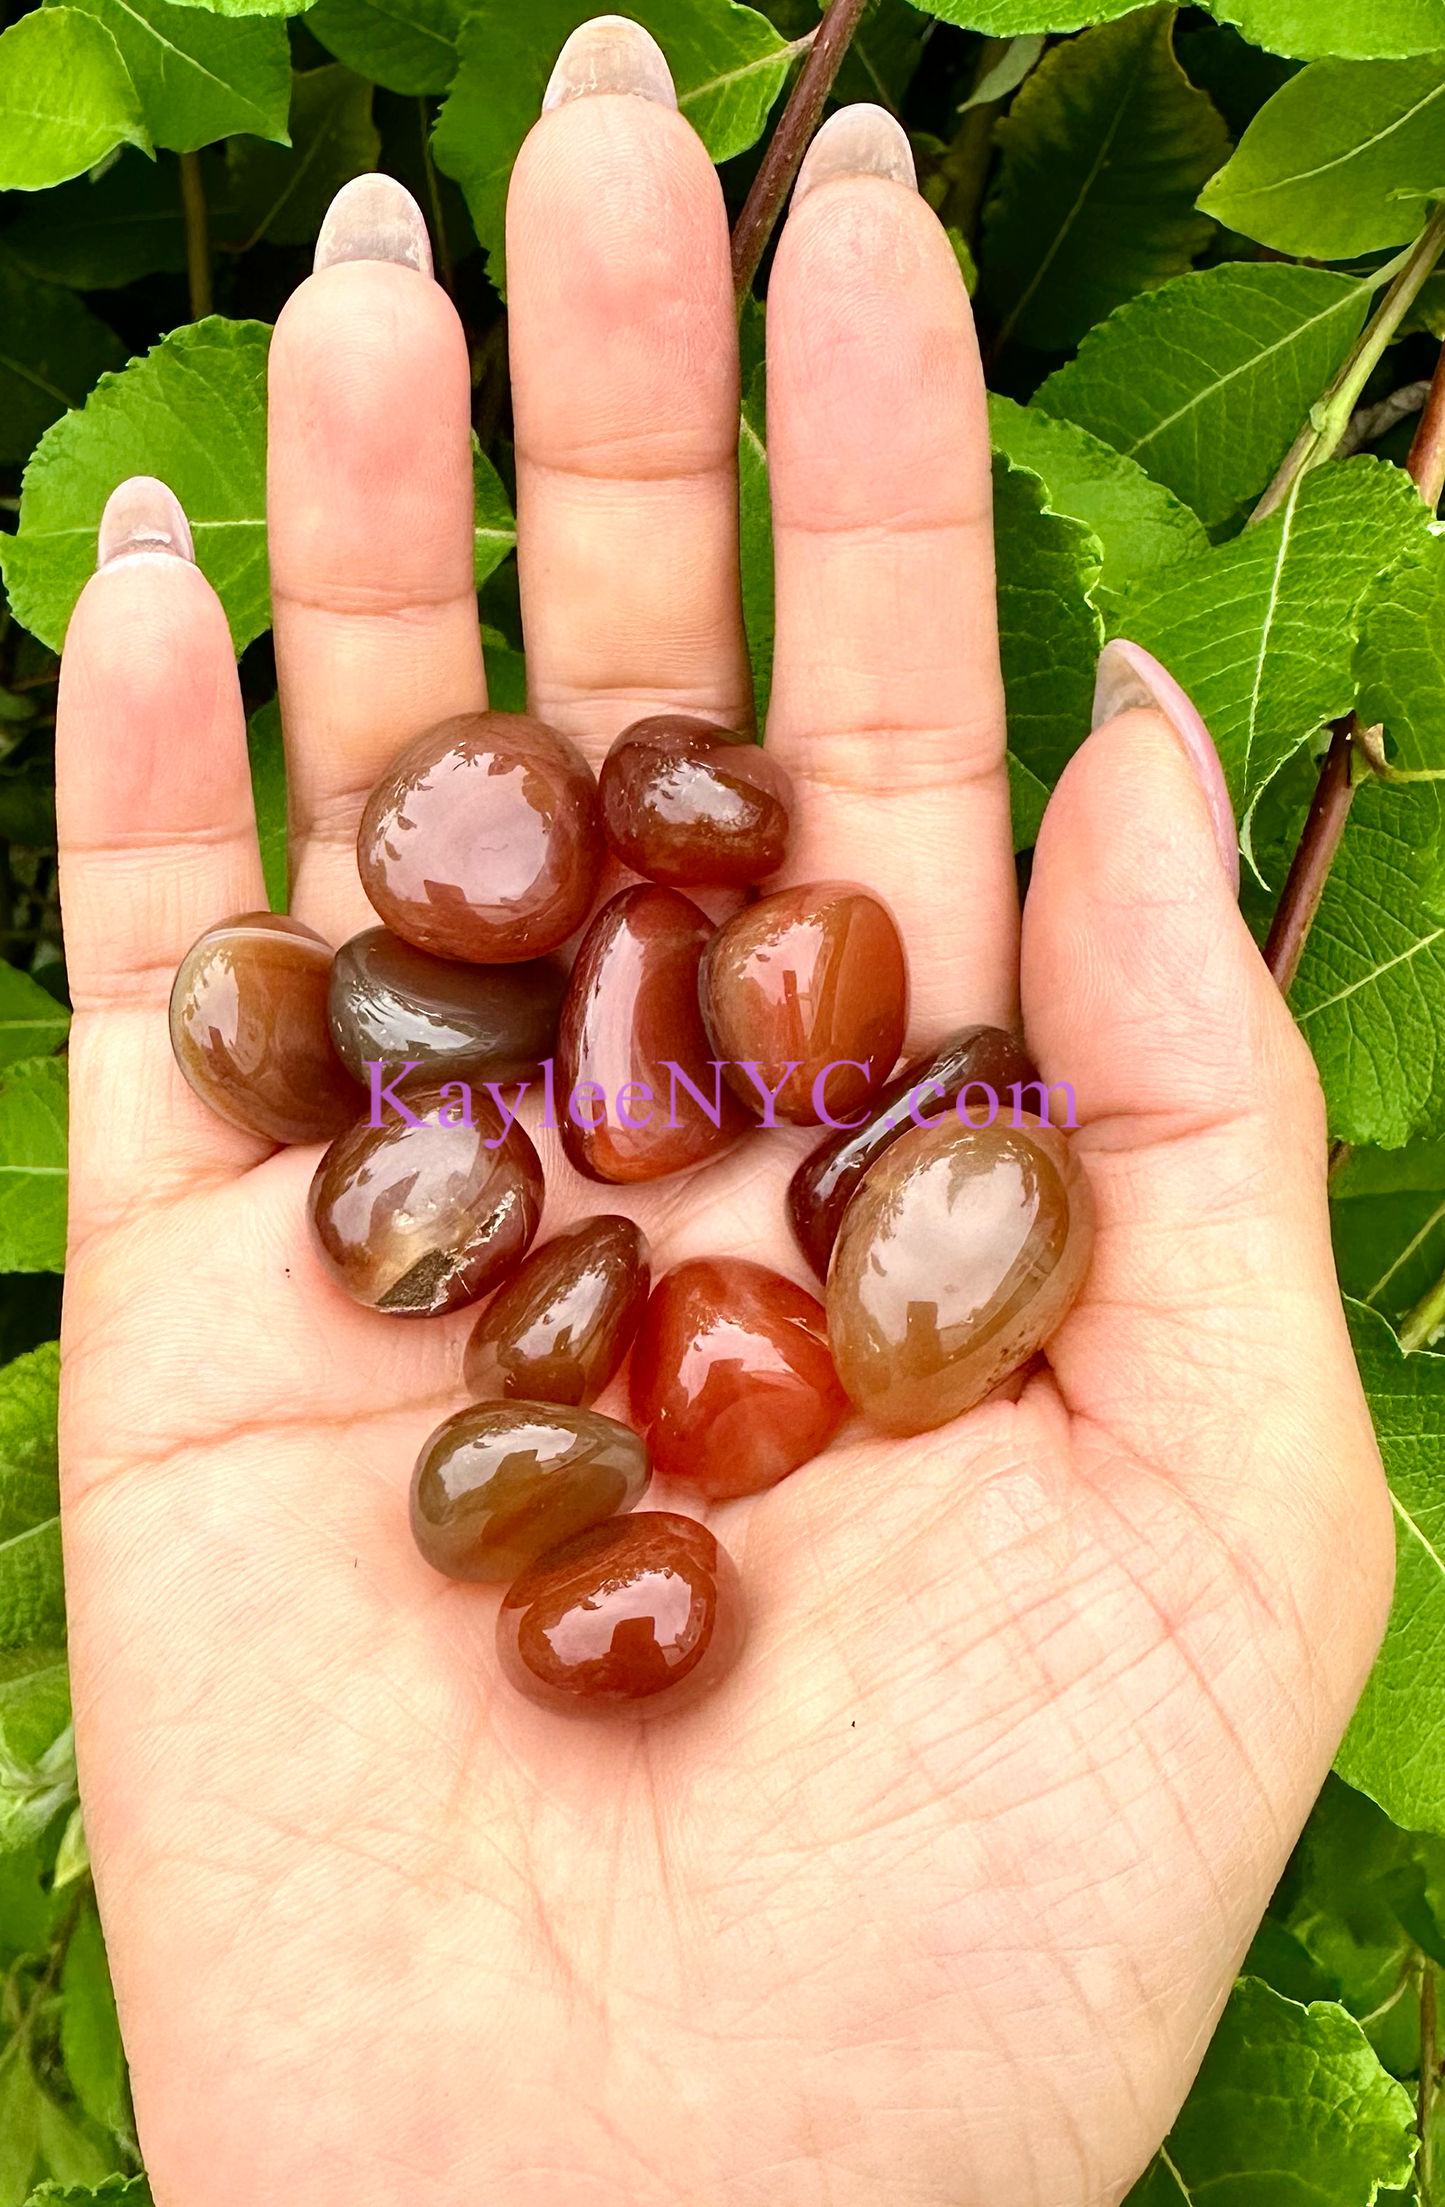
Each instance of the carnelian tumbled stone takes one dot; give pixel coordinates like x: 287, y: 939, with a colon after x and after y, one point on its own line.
x: 500, y: 1483
x: 249, y: 1032
x: 959, y: 1256
x: 636, y: 1618
x: 976, y: 1060
x: 563, y: 1323
x: 638, y: 1097
x: 482, y: 840
x: 685, y: 802
x: 809, y: 988
x: 392, y: 1005
x: 731, y: 1377
x: 419, y: 1214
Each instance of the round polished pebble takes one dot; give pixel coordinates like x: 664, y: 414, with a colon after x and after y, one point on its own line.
x: 249, y: 1032
x: 632, y: 1037
x: 821, y: 1188
x: 637, y: 1618
x: 685, y: 803
x: 500, y: 1483
x: 482, y: 841
x: 959, y: 1256
x: 391, y: 1004
x: 561, y: 1326
x: 810, y: 988
x: 418, y: 1219
x: 731, y: 1377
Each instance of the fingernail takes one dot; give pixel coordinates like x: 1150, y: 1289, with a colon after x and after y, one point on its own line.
x: 373, y: 218
x: 1130, y: 678
x: 142, y: 515
x: 610, y: 53
x: 858, y: 141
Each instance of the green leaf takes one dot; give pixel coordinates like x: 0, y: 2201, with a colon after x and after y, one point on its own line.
x: 25, y: 1906
x: 198, y: 76
x: 268, y: 793
x: 506, y: 673
x: 1261, y: 632
x: 1007, y: 73
x: 727, y: 62
x: 1103, y: 153
x: 31, y: 1022
x: 1027, y: 797
x: 130, y: 2191
x: 1387, y: 1217
x: 34, y: 1700
x: 19, y: 2123
x: 72, y: 1856
x: 1206, y: 381
x: 1290, y: 2105
x: 193, y: 412
x: 1340, y: 161
x: 1394, y: 1749
x: 244, y: 7
x: 1400, y: 663
x: 1351, y: 30
x: 29, y: 1477
x: 101, y: 237
x: 755, y: 539
x: 405, y: 45
x: 89, y: 2031
x: 282, y: 195
x: 494, y: 524
x: 1013, y: 18
x: 66, y: 99
x: 1141, y: 526
x: 32, y: 1165
x: 37, y: 1748
x: 71, y: 2151
x: 32, y: 1587
x: 1238, y: 78
x: 1049, y: 632
x: 51, y: 352
x: 1370, y: 993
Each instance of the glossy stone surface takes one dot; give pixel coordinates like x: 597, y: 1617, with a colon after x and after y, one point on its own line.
x: 926, y: 1090
x: 500, y: 1483
x: 392, y: 1003
x: 249, y: 1032
x: 482, y: 841
x: 414, y: 1220
x: 561, y: 1326
x: 637, y: 1618
x: 686, y: 802
x: 814, y: 976
x: 959, y: 1256
x: 731, y: 1377
x: 631, y: 1015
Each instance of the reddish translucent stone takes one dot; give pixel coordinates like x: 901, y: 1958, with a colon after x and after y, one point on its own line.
x: 731, y: 1377
x: 959, y: 1256
x: 636, y: 1618
x: 812, y: 978
x: 249, y: 1032
x: 561, y: 1326
x: 414, y: 1220
x: 631, y: 1039
x: 685, y: 802
x: 482, y: 841
x: 926, y: 1090
x: 500, y: 1483
x: 393, y: 1004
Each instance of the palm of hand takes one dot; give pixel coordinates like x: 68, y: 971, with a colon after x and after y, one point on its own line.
x: 938, y: 1897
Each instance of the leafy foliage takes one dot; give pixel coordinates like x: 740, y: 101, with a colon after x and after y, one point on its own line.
x: 66, y: 99
x: 1353, y: 30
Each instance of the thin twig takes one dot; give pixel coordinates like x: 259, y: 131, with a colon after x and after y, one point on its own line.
x: 1429, y: 2083
x: 198, y: 239
x: 1315, y: 854
x: 789, y: 142
x: 1427, y: 454
x: 965, y: 164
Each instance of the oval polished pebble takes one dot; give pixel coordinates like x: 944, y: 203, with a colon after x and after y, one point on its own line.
x: 500, y: 1483
x: 414, y: 1220
x: 631, y: 1014
x: 249, y: 1032
x: 482, y: 841
x: 959, y: 1256
x: 731, y: 1376
x: 561, y: 1326
x: 685, y: 802
x: 821, y: 1188
x: 637, y: 1618
x: 393, y: 1005
x: 814, y: 977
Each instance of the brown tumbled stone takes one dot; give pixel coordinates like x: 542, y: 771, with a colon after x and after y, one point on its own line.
x: 561, y: 1326
x: 249, y: 1032
x: 500, y: 1483
x: 685, y: 803
x: 392, y: 1004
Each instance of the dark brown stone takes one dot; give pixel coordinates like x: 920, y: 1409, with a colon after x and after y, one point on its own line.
x: 561, y: 1326
x: 393, y: 1004
x: 500, y: 1483
x: 685, y: 802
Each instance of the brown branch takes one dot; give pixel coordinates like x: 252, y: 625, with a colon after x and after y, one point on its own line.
x: 789, y: 142
x: 1427, y: 454
x: 1309, y: 869
x: 198, y: 240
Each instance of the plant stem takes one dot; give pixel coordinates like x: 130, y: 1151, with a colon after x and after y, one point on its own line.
x: 1314, y: 855
x: 1427, y: 2111
x: 965, y: 165
x: 433, y: 192
x: 198, y: 240
x: 789, y: 142
x: 1425, y: 1319
x: 1330, y: 415
x: 1427, y: 454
